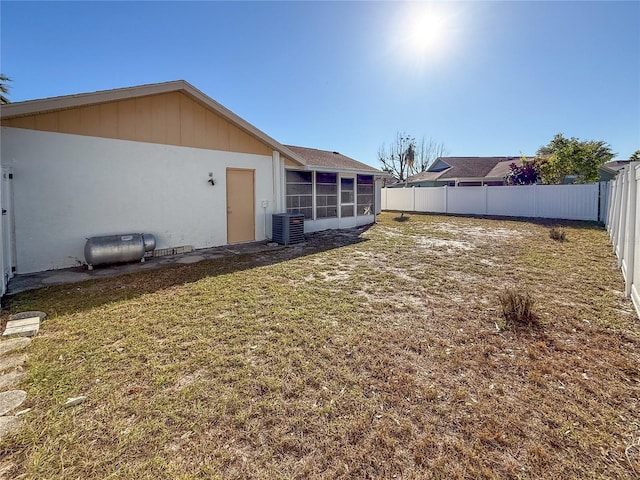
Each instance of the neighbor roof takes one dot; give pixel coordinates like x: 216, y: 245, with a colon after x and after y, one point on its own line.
x: 471, y: 167
x: 616, y: 165
x: 424, y: 176
x: 467, y: 167
x: 30, y: 107
x: 334, y: 160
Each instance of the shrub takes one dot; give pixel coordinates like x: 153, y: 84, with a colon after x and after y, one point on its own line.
x: 527, y: 173
x: 558, y: 234
x: 517, y: 309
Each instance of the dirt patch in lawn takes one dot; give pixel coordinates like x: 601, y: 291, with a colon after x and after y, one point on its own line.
x: 370, y: 353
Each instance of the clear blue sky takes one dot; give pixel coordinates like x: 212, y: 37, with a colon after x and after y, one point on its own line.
x: 484, y: 78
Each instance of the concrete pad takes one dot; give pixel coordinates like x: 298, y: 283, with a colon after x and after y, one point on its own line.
x: 190, y: 259
x: 11, y: 344
x: 9, y: 424
x: 66, y: 277
x: 21, y: 283
x: 11, y: 379
x: 10, y: 362
x: 34, y: 313
x: 11, y: 400
x: 26, y: 327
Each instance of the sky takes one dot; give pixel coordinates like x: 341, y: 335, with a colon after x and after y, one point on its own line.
x: 482, y: 78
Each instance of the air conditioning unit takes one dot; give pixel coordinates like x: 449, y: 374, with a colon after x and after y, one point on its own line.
x: 288, y: 228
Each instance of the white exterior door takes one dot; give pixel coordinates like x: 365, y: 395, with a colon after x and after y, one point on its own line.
x: 347, y: 201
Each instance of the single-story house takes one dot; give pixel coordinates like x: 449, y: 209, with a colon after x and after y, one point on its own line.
x: 163, y: 159
x: 609, y: 170
x: 462, y: 172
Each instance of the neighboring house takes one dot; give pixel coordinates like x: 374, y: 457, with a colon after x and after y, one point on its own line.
x: 163, y: 159
x: 610, y: 169
x: 462, y: 172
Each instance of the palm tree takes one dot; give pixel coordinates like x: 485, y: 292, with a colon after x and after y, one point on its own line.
x: 4, y: 89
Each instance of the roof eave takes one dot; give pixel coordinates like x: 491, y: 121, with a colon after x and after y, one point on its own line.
x: 475, y: 179
x: 318, y: 168
x: 610, y: 170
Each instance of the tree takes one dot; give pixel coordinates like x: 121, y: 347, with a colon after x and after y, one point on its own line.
x: 405, y: 157
x: 426, y: 152
x: 635, y: 156
x: 4, y: 89
x: 527, y: 173
x: 571, y: 156
x: 399, y: 158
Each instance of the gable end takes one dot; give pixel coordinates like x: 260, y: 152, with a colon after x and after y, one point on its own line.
x: 172, y: 118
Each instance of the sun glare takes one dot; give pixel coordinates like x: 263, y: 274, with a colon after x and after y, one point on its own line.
x: 427, y: 31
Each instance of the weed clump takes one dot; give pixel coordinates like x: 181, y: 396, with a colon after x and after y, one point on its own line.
x: 517, y: 309
x: 557, y: 234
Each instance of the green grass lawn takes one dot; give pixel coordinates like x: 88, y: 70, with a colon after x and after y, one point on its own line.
x: 367, y: 354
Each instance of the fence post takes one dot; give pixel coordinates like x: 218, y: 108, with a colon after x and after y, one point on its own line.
x: 610, y: 204
x: 535, y: 200
x: 615, y: 221
x: 413, y: 198
x: 630, y: 231
x: 486, y: 199
x: 446, y: 199
x: 635, y: 281
x: 622, y: 227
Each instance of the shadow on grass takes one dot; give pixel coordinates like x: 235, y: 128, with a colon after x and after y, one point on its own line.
x: 77, y: 297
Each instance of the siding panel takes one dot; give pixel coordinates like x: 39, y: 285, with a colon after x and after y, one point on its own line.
x: 173, y: 119
x: 159, y: 119
x: 186, y: 121
x: 143, y: 119
x: 199, y: 126
x: 48, y: 121
x: 126, y: 120
x: 108, y: 120
x: 170, y: 118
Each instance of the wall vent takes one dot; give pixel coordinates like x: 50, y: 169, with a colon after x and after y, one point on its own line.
x: 164, y: 252
x: 288, y: 228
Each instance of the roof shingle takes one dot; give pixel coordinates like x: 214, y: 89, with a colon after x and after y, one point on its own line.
x: 325, y: 158
x: 467, y: 167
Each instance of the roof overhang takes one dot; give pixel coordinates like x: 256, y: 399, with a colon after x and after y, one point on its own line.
x: 320, y: 168
x: 610, y: 170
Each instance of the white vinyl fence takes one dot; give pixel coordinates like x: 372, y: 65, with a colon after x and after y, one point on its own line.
x: 623, y: 226
x: 571, y: 202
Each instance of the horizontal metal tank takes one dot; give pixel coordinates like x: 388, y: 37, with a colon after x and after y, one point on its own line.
x: 118, y: 248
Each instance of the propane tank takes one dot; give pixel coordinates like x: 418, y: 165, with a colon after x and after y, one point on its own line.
x: 118, y: 248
